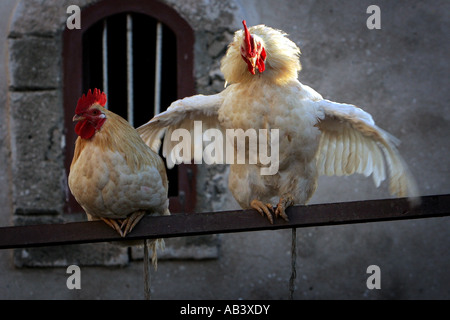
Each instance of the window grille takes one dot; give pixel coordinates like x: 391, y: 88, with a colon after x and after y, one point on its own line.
x: 131, y: 58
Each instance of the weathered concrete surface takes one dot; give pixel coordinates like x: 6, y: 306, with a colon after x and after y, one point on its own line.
x: 37, y: 134
x: 399, y: 74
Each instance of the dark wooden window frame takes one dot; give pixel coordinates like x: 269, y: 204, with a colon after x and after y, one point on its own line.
x: 72, y: 77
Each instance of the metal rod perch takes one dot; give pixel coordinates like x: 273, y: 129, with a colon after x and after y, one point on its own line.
x: 190, y: 224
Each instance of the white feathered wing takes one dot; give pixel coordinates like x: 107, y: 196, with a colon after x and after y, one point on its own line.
x: 180, y: 116
x: 351, y: 142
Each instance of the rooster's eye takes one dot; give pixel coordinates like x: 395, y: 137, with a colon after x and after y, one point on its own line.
x: 95, y: 112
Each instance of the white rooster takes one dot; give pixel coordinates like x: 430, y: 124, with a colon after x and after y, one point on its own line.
x: 316, y: 136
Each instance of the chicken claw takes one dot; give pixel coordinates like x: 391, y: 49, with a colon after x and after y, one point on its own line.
x: 113, y: 224
x: 285, y: 201
x: 262, y: 208
x: 131, y: 221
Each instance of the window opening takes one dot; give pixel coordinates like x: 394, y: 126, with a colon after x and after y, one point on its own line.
x: 132, y: 58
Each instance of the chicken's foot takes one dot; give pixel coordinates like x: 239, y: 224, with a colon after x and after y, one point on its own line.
x: 285, y: 201
x: 113, y: 224
x: 131, y: 221
x: 263, y: 209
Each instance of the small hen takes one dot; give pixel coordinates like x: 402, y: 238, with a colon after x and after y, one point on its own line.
x: 114, y: 175
x: 316, y: 136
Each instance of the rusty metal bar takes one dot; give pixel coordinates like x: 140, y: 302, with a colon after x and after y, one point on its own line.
x: 180, y: 225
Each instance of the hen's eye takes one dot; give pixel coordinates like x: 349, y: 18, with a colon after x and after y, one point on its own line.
x: 95, y: 112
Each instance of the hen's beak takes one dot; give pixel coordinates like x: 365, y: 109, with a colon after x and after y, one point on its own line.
x: 253, y: 61
x: 77, y: 118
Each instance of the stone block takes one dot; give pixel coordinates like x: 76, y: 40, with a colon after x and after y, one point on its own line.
x: 89, y: 254
x: 34, y: 63
x: 37, y: 152
x: 41, y: 17
x: 211, y: 15
x: 187, y: 248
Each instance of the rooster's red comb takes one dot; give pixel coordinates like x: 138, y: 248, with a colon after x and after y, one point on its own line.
x: 247, y: 38
x: 89, y: 99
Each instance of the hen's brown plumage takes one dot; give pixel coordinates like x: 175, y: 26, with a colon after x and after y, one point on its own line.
x: 114, y: 175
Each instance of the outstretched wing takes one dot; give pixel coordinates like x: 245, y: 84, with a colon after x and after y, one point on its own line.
x: 352, y: 143
x: 181, y: 116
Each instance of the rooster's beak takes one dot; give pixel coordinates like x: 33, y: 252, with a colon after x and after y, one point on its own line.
x: 253, y: 62
x: 77, y: 117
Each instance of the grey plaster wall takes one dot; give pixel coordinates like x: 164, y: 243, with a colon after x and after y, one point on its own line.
x: 399, y: 74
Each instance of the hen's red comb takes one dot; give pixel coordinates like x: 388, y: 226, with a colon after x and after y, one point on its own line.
x: 247, y: 38
x: 89, y: 99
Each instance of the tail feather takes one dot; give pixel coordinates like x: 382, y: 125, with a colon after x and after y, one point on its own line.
x: 154, y: 245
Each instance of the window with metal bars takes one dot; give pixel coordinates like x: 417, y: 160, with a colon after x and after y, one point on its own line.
x: 138, y: 77
x: 131, y: 58
x: 140, y: 55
